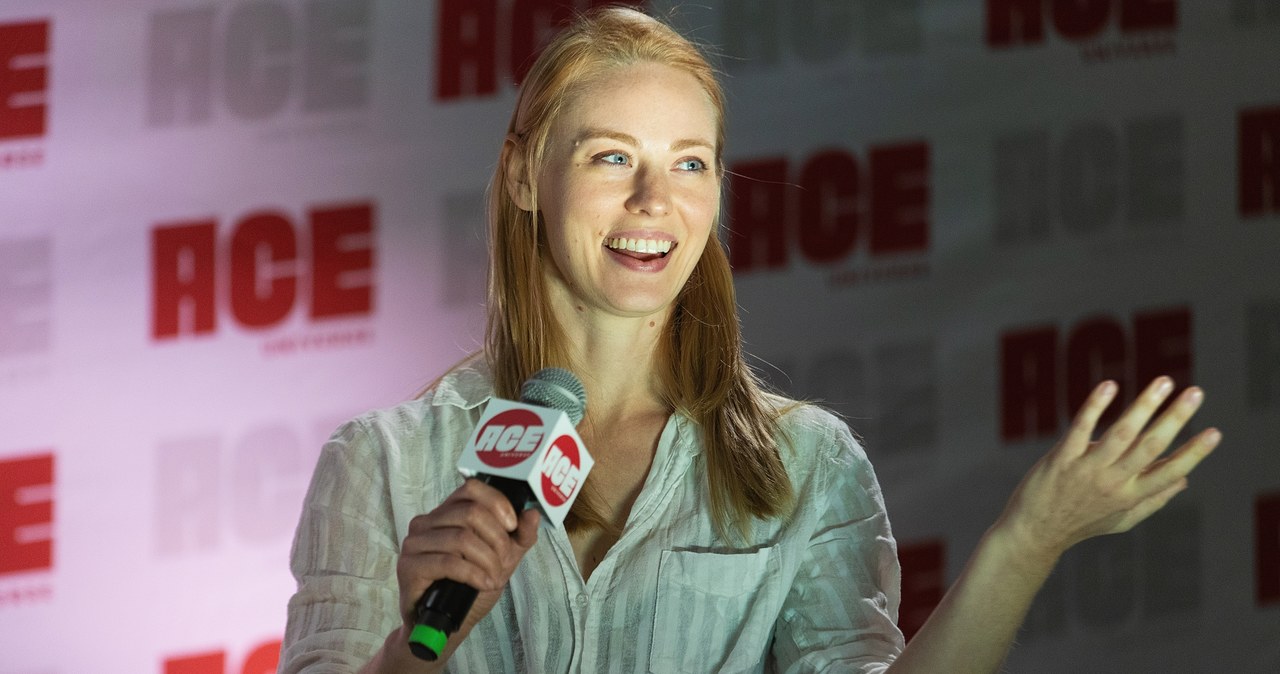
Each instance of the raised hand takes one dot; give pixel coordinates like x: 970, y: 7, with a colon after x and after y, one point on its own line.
x: 1084, y: 488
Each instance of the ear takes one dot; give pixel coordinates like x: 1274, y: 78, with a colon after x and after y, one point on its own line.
x: 517, y: 177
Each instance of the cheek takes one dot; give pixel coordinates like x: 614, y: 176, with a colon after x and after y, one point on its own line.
x: 692, y: 260
x: 705, y: 231
x: 702, y: 208
x: 556, y: 206
x: 586, y: 217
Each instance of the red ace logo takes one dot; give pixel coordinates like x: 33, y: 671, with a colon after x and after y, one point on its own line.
x: 1259, y: 163
x: 924, y: 581
x: 266, y: 267
x: 561, y: 471
x: 26, y: 513
x: 1046, y: 372
x: 1266, y: 514
x: 509, y: 438
x: 878, y: 204
x: 1013, y: 22
x: 467, y: 39
x: 24, y: 78
x: 264, y: 659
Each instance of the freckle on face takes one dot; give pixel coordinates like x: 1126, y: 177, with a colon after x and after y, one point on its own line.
x: 651, y: 324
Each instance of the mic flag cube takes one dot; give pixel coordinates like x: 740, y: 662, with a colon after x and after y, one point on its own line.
x: 534, y: 445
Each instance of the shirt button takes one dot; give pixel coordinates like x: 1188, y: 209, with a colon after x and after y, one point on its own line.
x: 582, y: 599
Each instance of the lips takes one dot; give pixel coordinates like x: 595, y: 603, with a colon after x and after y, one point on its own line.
x: 644, y: 255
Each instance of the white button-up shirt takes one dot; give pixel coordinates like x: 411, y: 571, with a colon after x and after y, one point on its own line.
x: 816, y: 590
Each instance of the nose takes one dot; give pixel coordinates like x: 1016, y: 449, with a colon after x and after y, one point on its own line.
x: 650, y: 194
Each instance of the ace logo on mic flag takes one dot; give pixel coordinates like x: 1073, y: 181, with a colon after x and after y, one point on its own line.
x: 508, y: 438
x: 530, y: 444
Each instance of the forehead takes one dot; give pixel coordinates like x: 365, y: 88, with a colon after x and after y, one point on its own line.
x: 651, y: 101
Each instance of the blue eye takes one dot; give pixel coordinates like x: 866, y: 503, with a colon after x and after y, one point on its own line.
x: 692, y: 165
x: 613, y: 158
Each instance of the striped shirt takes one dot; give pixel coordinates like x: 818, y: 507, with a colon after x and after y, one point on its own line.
x: 816, y: 590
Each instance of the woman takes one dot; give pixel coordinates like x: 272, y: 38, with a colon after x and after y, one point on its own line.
x: 722, y: 529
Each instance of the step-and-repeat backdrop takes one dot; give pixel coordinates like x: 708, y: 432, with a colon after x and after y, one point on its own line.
x: 227, y: 226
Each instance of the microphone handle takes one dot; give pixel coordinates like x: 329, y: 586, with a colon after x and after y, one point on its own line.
x: 442, y: 608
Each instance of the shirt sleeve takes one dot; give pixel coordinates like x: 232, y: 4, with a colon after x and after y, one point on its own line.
x: 344, y: 559
x: 841, y: 612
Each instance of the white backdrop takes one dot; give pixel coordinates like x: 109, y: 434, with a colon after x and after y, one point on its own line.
x: 227, y: 226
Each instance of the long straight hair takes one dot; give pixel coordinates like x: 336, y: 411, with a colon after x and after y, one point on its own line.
x: 703, y: 373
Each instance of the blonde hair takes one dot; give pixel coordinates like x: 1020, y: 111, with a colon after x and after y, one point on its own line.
x: 704, y: 374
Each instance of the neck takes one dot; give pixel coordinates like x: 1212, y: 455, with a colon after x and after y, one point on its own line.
x: 617, y: 359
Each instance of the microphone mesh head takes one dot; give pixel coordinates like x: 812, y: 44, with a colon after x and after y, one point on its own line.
x: 558, y: 389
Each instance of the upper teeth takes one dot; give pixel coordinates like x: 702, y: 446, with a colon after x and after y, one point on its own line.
x: 639, y: 245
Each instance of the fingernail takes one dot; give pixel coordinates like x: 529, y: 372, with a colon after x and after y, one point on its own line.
x: 1108, y: 388
x: 1213, y: 437
x: 1164, y: 385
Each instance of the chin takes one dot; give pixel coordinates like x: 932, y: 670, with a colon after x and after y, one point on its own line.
x: 637, y: 308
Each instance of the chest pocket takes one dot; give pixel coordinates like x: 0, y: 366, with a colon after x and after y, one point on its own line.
x: 715, y: 611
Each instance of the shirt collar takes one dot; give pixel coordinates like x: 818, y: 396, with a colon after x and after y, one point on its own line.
x: 468, y: 385
x: 686, y: 439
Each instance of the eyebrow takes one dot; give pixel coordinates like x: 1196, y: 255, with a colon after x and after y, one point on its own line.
x: 679, y: 145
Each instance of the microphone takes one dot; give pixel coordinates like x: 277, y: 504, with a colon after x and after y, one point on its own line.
x: 529, y: 451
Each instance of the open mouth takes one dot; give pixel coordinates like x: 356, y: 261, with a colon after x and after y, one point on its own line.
x: 640, y: 249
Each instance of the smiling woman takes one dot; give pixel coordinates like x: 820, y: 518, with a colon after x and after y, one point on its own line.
x: 723, y: 528
x: 630, y: 159
x: 618, y: 135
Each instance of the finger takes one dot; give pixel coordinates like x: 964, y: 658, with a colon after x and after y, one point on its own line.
x: 471, y: 492
x: 418, y: 572
x: 1122, y: 434
x: 492, y: 499
x: 463, y: 514
x: 1081, y: 431
x: 458, y: 541
x: 1180, y: 464
x: 527, y: 533
x: 1162, y: 432
x: 415, y: 580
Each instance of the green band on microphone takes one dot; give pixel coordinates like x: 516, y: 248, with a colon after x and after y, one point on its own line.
x: 427, y: 642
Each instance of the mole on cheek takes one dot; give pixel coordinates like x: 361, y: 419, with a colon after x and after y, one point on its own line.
x: 651, y: 324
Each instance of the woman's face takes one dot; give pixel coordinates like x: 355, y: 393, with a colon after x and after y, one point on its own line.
x: 629, y: 190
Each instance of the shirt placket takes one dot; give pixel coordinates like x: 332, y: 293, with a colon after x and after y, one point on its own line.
x: 576, y: 591
x: 585, y: 603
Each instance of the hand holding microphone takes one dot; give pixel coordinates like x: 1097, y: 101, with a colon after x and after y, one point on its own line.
x: 473, y: 537
x: 530, y: 453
